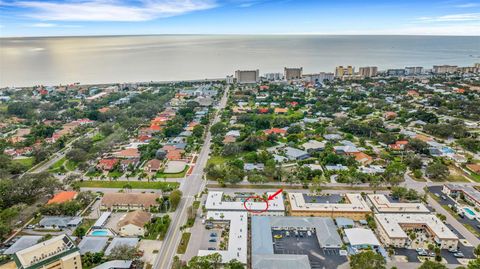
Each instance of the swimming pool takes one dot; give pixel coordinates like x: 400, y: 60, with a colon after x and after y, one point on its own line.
x: 101, y: 232
x: 469, y: 213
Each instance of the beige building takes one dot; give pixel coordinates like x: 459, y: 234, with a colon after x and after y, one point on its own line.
x: 355, y: 207
x: 247, y: 76
x: 368, y: 71
x: 392, y: 229
x: 292, y: 73
x: 341, y: 71
x: 128, y: 201
x: 442, y: 69
x: 59, y: 252
x: 381, y: 204
x: 133, y: 223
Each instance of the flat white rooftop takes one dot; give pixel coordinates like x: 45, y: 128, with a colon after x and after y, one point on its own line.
x: 392, y: 223
x: 355, y: 203
x: 361, y: 236
x: 237, y: 238
x: 216, y: 202
x: 383, y: 205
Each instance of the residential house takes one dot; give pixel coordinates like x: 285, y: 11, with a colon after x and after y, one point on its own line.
x: 296, y: 154
x: 313, y: 146
x: 153, y: 165
x: 107, y: 164
x: 128, y: 201
x: 133, y: 223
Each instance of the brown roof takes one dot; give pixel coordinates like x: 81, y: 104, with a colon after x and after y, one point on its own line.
x: 474, y: 167
x: 118, y: 198
x: 138, y: 218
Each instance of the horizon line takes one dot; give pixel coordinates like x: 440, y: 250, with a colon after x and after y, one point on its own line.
x: 235, y: 34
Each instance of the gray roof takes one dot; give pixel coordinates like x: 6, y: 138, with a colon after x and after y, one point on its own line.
x: 116, y: 264
x: 22, y: 243
x: 50, y: 221
x: 92, y: 244
x: 274, y: 261
x: 295, y: 153
x: 117, y: 241
x: 342, y: 222
x: 261, y: 235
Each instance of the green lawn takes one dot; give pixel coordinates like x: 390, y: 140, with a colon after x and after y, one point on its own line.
x: 27, y: 162
x: 58, y: 167
x: 115, y: 174
x: 133, y: 184
x: 175, y: 175
x: 97, y: 137
x: 219, y: 159
x: 94, y: 174
x: 182, y: 247
x: 70, y: 165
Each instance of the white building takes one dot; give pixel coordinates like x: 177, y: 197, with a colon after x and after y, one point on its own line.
x: 216, y: 202
x: 381, y: 204
x: 237, y: 238
x: 392, y: 228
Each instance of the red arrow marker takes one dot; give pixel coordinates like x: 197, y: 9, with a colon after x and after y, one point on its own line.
x: 275, y: 194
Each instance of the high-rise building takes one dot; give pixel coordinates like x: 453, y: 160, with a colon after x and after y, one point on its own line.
x: 274, y: 76
x: 341, y: 71
x: 230, y: 79
x: 396, y: 72
x: 59, y: 252
x: 413, y: 70
x: 318, y: 77
x: 442, y: 69
x: 477, y: 65
x: 368, y: 71
x: 247, y: 76
x: 292, y: 73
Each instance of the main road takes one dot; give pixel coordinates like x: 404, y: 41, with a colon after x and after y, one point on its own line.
x: 192, y: 185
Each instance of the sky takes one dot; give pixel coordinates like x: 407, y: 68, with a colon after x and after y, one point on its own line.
x: 20, y: 18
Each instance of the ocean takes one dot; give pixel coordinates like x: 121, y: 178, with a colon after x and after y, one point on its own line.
x: 112, y: 59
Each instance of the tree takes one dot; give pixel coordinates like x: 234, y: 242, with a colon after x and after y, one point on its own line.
x: 77, y: 155
x: 80, y: 232
x: 198, y: 131
x: 475, y: 264
x: 437, y: 170
x: 432, y: 265
x: 234, y: 264
x: 123, y: 252
x: 476, y: 251
x: 367, y: 260
x: 175, y: 197
x: 218, y: 128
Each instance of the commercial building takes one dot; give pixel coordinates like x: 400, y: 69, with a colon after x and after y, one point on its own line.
x: 229, y: 79
x: 442, y: 69
x: 263, y: 253
x: 392, y: 228
x: 360, y: 238
x: 274, y: 76
x: 128, y: 201
x: 292, y: 73
x: 470, y: 194
x: 368, y: 71
x: 237, y: 238
x: 217, y: 201
x: 413, y: 70
x: 247, y: 76
x: 341, y: 71
x: 381, y: 204
x: 354, y: 207
x: 59, y: 252
x: 318, y: 77
x: 396, y: 72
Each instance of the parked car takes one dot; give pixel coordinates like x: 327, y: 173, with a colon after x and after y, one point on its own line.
x: 309, y: 233
x: 212, y: 248
x: 444, y: 197
x: 278, y: 236
x: 431, y: 254
x: 287, y: 234
x: 459, y: 255
x: 422, y: 253
x: 213, y: 234
x: 420, y: 249
x: 453, y: 250
x: 212, y: 240
x: 461, y: 215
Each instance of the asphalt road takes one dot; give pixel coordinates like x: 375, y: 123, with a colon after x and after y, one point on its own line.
x: 193, y: 185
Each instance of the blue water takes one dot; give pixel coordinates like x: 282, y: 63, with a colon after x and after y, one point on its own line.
x: 469, y: 211
x: 99, y: 233
x: 34, y: 61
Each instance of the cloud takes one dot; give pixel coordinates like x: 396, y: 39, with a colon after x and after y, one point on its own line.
x: 43, y: 25
x: 467, y: 5
x: 112, y: 10
x: 452, y: 18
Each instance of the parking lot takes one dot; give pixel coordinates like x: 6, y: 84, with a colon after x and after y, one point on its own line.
x: 437, y: 190
x: 208, y: 241
x: 306, y: 245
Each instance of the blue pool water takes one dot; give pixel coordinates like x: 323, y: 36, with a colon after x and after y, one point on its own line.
x: 100, y: 233
x: 469, y: 211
